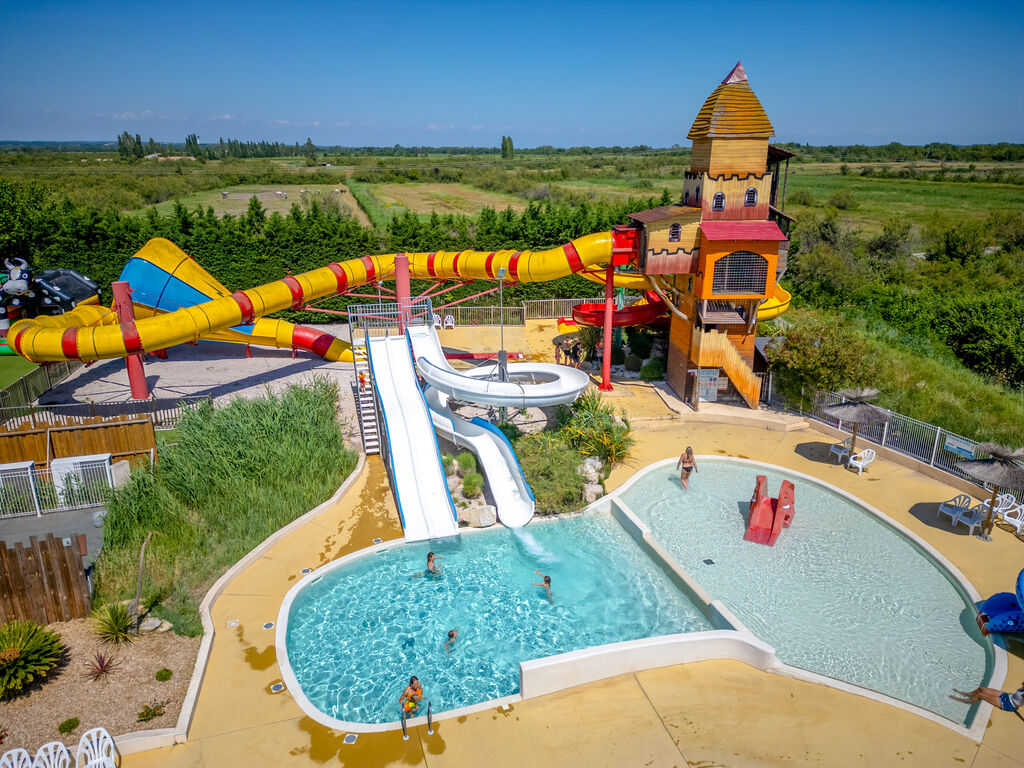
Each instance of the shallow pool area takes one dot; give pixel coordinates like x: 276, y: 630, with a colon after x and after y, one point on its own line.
x: 358, y: 631
x: 841, y: 593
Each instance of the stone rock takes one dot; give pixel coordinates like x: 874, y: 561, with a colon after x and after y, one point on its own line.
x: 97, y: 518
x: 453, y: 483
x: 479, y: 517
x: 592, y: 492
x: 149, y: 624
x: 591, y: 470
x: 165, y: 626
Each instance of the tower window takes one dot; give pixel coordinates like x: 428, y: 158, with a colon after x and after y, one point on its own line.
x: 686, y: 197
x: 719, y: 202
x: 696, y: 195
x: 740, y: 273
x: 751, y: 198
x: 674, y: 232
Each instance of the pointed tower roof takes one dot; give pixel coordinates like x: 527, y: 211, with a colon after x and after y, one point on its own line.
x: 732, y: 111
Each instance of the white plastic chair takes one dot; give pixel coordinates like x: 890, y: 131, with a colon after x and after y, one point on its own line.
x: 1015, y: 517
x: 16, y: 758
x: 1004, y: 502
x: 437, y: 320
x: 974, y: 517
x: 840, y: 451
x: 52, y: 755
x: 449, y: 321
x: 861, y: 460
x: 955, y: 507
x: 96, y: 749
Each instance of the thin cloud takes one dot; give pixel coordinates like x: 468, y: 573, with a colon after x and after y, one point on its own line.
x: 476, y: 128
x: 225, y: 116
x: 435, y: 127
x: 129, y: 115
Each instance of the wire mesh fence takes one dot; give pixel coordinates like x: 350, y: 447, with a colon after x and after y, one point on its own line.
x: 536, y: 309
x: 488, y: 315
x: 32, y: 491
x: 929, y: 443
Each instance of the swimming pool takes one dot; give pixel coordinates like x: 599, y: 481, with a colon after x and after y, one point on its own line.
x: 356, y: 634
x: 841, y: 593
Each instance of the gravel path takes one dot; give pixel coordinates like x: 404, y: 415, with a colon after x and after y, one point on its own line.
x: 32, y: 718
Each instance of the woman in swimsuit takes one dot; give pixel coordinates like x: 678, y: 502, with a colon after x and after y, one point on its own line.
x: 687, y: 463
x: 547, y: 586
x: 1008, y: 702
x: 411, y: 696
x: 433, y: 569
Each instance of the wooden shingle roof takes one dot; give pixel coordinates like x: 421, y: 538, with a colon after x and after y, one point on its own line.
x: 732, y: 111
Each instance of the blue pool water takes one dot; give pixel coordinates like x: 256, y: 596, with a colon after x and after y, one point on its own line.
x: 355, y: 636
x: 841, y: 593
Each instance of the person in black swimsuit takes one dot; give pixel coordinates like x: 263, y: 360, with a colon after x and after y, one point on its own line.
x: 687, y: 463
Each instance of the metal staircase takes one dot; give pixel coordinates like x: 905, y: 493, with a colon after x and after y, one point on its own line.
x: 364, y: 395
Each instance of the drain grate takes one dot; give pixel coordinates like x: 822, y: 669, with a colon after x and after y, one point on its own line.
x: 269, y: 625
x: 277, y: 687
x: 378, y: 541
x: 708, y: 561
x: 233, y: 623
x: 306, y: 570
x: 350, y: 738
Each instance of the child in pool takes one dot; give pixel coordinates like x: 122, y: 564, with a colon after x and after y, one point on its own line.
x: 433, y: 569
x: 452, y: 636
x: 411, y: 696
x: 547, y: 586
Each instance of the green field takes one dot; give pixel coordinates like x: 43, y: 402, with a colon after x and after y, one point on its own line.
x: 922, y: 202
x: 12, y: 368
x: 237, y: 201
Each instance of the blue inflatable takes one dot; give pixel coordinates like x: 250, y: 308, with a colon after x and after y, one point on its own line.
x: 1003, y: 612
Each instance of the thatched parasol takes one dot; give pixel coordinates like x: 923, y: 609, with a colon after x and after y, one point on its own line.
x: 1002, y: 469
x: 859, y: 410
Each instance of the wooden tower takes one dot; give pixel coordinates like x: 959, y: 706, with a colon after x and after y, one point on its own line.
x: 718, y: 253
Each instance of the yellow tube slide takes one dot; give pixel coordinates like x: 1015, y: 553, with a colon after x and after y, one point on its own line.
x: 90, y: 332
x: 776, y: 305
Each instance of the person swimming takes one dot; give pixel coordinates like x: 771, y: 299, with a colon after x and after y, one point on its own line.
x: 547, y: 586
x: 433, y: 569
x: 453, y: 634
x: 411, y: 696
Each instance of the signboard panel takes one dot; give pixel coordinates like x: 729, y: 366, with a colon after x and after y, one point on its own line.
x: 959, y: 447
x: 707, y: 385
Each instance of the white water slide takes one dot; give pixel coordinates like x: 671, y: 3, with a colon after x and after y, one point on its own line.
x: 529, y: 384
x: 421, y: 491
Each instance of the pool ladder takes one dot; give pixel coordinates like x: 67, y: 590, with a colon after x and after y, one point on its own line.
x: 430, y: 723
x: 365, y: 404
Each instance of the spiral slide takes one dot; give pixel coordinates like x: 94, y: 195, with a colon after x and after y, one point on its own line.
x: 530, y: 384
x: 91, y: 332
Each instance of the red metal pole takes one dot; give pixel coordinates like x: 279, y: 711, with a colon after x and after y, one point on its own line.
x: 402, y: 289
x: 122, y: 292
x: 606, y: 357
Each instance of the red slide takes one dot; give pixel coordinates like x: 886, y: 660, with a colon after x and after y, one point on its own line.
x: 769, y: 516
x: 635, y: 314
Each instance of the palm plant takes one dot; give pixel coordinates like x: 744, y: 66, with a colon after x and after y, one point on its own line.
x: 112, y: 622
x: 101, y: 666
x: 27, y: 652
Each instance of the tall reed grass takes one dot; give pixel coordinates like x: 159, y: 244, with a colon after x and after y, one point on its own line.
x: 236, y: 475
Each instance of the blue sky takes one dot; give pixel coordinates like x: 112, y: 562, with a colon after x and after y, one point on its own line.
x: 465, y: 73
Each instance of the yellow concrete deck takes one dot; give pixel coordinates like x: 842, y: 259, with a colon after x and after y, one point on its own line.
x: 714, y: 713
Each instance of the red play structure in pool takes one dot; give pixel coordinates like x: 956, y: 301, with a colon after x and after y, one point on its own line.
x: 769, y: 516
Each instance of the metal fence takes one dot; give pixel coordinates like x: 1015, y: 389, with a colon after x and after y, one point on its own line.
x: 929, y: 443
x: 38, y: 491
x: 166, y: 412
x: 34, y: 383
x: 488, y: 315
x: 536, y: 309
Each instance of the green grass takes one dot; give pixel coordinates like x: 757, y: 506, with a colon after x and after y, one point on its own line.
x: 236, y: 475
x: 12, y: 368
x: 237, y: 206
x: 922, y: 202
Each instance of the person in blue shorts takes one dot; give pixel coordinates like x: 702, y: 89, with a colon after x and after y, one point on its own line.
x: 1008, y: 702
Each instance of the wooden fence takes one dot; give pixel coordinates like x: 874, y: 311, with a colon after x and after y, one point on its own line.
x: 127, y: 438
x: 44, y: 581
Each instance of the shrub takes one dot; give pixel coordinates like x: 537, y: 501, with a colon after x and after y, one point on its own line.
x: 27, y: 652
x: 817, y: 356
x: 466, y: 462
x: 112, y: 623
x: 550, y: 464
x: 654, y: 369
x: 102, y: 664
x: 509, y: 430
x: 801, y: 197
x: 164, y: 675
x: 842, y: 199
x: 640, y: 343
x: 633, y: 362
x: 618, y: 356
x: 68, y: 726
x: 448, y: 461
x: 594, y: 429
x: 472, y: 484
x: 150, y: 711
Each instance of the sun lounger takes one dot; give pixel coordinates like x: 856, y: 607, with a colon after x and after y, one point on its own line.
x: 96, y: 750
x: 973, y: 518
x: 16, y: 758
x: 840, y: 451
x: 955, y: 507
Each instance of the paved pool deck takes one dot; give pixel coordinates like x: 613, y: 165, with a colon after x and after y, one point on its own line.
x: 713, y: 713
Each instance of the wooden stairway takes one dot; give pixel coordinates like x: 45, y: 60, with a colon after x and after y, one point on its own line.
x: 717, y: 351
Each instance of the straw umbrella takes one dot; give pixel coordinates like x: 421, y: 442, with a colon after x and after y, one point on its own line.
x: 1002, y: 469
x: 859, y: 410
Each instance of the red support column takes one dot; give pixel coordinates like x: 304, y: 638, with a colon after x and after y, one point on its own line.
x: 126, y: 317
x: 606, y: 356
x: 402, y: 290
